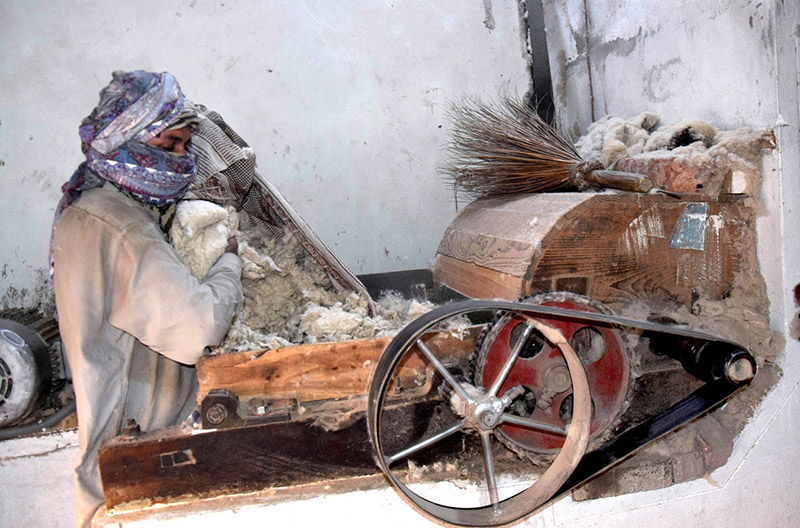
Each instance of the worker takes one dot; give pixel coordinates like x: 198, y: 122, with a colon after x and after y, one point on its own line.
x: 132, y: 318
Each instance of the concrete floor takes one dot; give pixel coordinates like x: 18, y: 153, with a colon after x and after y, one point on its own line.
x: 36, y: 481
x: 758, y: 487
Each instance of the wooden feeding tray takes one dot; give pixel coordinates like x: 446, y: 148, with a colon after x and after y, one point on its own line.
x: 301, y: 420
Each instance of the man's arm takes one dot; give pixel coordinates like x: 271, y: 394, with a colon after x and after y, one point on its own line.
x: 156, y: 299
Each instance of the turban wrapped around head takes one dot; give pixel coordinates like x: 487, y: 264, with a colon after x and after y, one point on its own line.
x: 187, y: 117
x: 135, y: 105
x: 134, y: 108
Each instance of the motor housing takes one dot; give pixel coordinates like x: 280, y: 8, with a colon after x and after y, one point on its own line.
x: 26, y: 367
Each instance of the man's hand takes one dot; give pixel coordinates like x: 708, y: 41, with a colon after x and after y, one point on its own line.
x: 233, y: 246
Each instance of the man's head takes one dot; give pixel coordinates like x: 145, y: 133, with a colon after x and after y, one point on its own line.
x: 176, y: 137
x: 137, y: 136
x: 135, y: 105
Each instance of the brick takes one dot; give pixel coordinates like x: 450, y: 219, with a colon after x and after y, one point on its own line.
x: 672, y: 173
x: 688, y: 466
x: 715, y: 441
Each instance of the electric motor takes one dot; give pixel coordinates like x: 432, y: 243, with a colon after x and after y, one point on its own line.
x: 26, y: 366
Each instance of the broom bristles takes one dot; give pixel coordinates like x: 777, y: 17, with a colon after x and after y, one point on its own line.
x: 505, y: 148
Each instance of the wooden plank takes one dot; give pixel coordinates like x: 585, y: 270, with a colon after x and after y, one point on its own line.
x: 227, y: 461
x: 307, y: 372
x: 504, y: 255
x: 622, y: 251
x: 671, y: 172
x: 169, y: 465
x: 319, y: 371
x: 476, y: 281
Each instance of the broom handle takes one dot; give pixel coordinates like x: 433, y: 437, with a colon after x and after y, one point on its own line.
x: 624, y: 181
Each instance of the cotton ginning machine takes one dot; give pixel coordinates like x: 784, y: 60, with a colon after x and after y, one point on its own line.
x: 483, y: 425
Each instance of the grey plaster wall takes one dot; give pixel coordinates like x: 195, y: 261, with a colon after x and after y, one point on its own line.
x: 733, y: 63
x: 343, y: 103
x: 711, y: 60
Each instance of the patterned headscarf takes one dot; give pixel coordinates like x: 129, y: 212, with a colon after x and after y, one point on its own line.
x: 188, y: 117
x: 133, y: 109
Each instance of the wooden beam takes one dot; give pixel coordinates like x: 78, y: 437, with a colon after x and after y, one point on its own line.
x: 615, y: 248
x: 321, y: 371
x: 170, y: 465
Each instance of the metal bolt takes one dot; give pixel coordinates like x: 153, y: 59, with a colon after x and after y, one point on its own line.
x: 216, y: 414
x: 558, y: 379
x: 131, y: 428
x: 489, y: 418
x: 512, y: 393
x: 740, y: 370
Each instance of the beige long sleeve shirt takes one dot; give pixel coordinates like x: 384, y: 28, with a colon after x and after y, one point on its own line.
x: 132, y: 321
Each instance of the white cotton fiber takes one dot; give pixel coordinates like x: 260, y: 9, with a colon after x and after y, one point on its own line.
x: 200, y: 232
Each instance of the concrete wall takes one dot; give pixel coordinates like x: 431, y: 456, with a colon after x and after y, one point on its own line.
x: 733, y: 63
x: 712, y: 60
x: 36, y: 481
x: 342, y: 102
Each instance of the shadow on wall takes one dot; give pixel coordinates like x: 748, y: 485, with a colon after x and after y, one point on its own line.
x: 794, y: 328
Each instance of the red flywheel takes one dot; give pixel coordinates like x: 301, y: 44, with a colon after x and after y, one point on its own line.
x: 543, y: 375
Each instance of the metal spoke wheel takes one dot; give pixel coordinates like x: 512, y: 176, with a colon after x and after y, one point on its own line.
x: 433, y: 429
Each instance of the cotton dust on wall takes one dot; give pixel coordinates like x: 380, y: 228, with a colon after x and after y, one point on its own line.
x: 720, y: 162
x: 717, y: 161
x: 706, y: 164
x: 288, y: 298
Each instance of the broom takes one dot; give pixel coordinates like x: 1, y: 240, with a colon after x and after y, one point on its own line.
x: 509, y: 149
